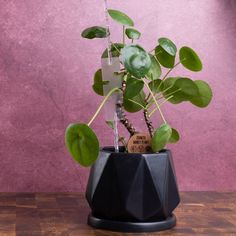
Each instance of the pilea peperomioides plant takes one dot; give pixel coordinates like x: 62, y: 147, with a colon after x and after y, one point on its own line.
x: 144, y: 88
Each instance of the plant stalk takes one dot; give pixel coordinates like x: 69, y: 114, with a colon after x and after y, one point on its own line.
x: 102, y: 104
x: 121, y: 114
x: 148, y: 122
x: 123, y: 34
x: 157, y: 105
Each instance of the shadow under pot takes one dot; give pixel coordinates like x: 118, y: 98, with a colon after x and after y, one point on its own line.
x: 132, y: 192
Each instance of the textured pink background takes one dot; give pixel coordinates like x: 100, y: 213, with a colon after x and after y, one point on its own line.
x: 46, y: 73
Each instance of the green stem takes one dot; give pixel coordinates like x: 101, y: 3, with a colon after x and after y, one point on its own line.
x: 151, y: 101
x: 137, y: 103
x: 158, y: 107
x: 123, y: 34
x: 102, y: 104
x: 154, y: 110
x: 168, y: 72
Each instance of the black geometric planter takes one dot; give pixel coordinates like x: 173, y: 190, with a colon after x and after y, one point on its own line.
x: 132, y: 192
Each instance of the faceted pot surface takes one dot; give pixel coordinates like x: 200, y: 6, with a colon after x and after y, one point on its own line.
x: 132, y: 187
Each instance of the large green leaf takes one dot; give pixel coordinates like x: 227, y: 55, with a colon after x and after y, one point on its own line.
x: 189, y: 59
x: 182, y: 89
x: 98, y: 83
x: 174, y: 138
x: 115, y: 50
x: 204, y: 94
x: 155, y: 69
x: 161, y: 137
x: 164, y: 58
x: 133, y: 87
x: 132, y: 106
x: 82, y: 143
x: 94, y: 32
x: 132, y: 33
x: 155, y: 85
x: 120, y: 17
x: 168, y: 46
x: 136, y: 60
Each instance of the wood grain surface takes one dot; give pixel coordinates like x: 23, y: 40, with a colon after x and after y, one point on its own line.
x: 62, y: 214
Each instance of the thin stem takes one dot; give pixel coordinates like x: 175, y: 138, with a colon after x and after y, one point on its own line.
x: 177, y: 90
x: 102, y: 104
x: 115, y: 47
x: 158, y: 107
x: 155, y: 109
x: 137, y: 103
x: 168, y: 72
x: 123, y: 34
x: 151, y: 101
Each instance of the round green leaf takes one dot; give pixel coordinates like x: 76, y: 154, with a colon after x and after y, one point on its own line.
x: 168, y: 46
x: 174, y: 138
x: 82, y: 143
x: 189, y: 59
x: 94, y: 32
x: 120, y: 17
x: 161, y: 137
x: 132, y: 33
x: 164, y: 58
x: 98, y: 83
x: 204, y: 94
x: 136, y: 60
x: 182, y: 89
x: 155, y: 85
x: 134, y: 107
x: 133, y: 87
x: 115, y: 50
x: 155, y: 69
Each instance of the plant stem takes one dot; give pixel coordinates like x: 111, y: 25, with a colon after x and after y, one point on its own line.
x: 115, y: 47
x: 148, y: 122
x: 168, y: 72
x: 137, y: 103
x: 158, y: 107
x: 123, y: 34
x: 153, y: 111
x: 121, y: 114
x: 124, y: 121
x: 102, y: 104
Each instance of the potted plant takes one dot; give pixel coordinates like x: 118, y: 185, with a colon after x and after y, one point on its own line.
x: 134, y: 188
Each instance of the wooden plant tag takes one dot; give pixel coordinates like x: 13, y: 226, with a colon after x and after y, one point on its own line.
x: 139, y: 143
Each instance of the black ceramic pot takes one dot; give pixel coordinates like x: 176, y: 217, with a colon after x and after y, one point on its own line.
x: 132, y: 192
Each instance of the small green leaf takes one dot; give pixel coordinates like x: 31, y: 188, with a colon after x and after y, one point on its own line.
x: 204, y: 94
x: 155, y: 85
x: 174, y: 138
x: 82, y: 143
x: 134, y: 107
x: 161, y: 137
x: 164, y: 58
x: 168, y: 46
x: 94, y: 32
x: 136, y: 60
x: 132, y: 33
x: 155, y: 69
x: 133, y: 87
x: 120, y: 17
x: 98, y: 83
x: 115, y: 50
x: 110, y: 123
x: 189, y: 59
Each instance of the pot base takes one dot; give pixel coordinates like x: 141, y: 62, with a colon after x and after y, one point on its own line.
x: 131, y: 226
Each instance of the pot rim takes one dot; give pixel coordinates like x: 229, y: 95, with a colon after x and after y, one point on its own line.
x: 111, y: 149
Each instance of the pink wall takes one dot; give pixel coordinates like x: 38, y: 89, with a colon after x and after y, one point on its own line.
x: 46, y: 74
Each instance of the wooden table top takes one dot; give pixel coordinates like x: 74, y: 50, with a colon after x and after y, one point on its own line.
x: 62, y: 214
